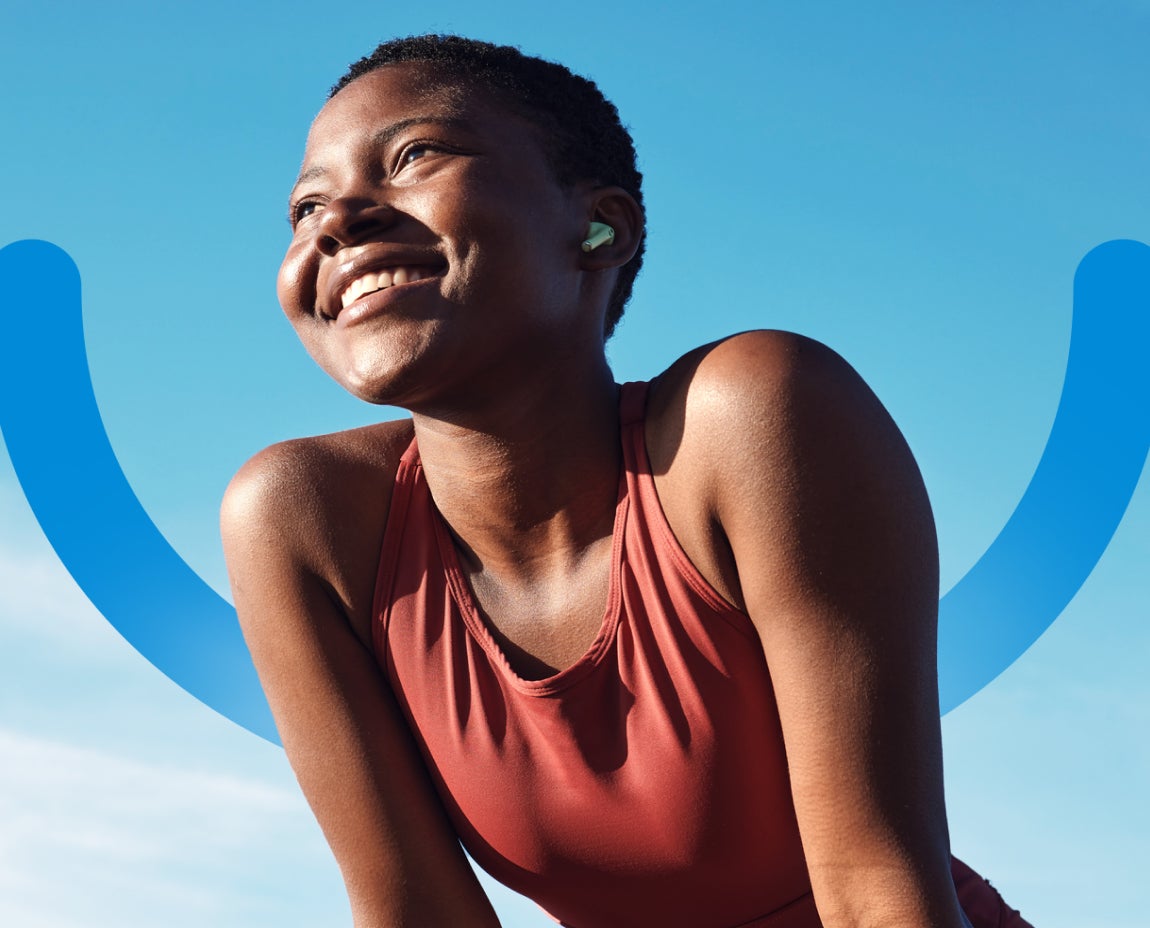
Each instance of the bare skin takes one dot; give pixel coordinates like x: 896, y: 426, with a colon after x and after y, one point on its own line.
x: 781, y: 475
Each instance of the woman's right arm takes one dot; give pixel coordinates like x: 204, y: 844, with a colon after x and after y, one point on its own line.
x: 338, y: 720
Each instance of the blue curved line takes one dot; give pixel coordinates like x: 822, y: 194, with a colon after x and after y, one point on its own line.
x: 86, y: 507
x: 1080, y: 490
x: 66, y: 466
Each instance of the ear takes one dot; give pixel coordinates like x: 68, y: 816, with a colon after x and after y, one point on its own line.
x: 615, y: 207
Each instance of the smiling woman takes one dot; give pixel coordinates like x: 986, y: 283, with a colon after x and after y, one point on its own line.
x: 658, y: 654
x: 468, y: 194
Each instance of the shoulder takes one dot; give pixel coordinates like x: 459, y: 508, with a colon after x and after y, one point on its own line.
x: 744, y: 384
x: 308, y: 481
x: 771, y: 438
x: 756, y: 400
x: 315, y: 508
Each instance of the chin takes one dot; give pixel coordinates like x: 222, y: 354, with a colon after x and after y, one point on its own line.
x: 378, y: 370
x: 382, y: 383
x: 377, y: 388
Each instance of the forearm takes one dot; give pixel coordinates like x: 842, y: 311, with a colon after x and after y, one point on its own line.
x: 356, y: 762
x: 420, y: 907
x: 875, y: 897
x: 341, y: 728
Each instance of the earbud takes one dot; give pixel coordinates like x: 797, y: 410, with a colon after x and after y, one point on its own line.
x: 599, y: 234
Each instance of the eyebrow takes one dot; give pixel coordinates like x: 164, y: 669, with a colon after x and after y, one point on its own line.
x: 382, y: 138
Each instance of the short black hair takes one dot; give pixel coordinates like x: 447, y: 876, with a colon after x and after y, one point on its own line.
x: 583, y: 136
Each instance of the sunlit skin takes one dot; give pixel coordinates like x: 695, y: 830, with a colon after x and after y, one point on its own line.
x: 780, y: 474
x: 453, y: 184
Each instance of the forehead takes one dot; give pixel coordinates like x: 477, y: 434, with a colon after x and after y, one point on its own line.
x: 409, y: 91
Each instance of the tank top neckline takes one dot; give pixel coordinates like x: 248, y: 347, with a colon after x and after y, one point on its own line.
x: 632, y: 405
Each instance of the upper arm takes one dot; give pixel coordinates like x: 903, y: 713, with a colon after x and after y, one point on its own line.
x: 836, y: 561
x: 338, y: 720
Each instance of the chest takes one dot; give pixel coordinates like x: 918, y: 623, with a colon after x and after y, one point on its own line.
x: 626, y: 786
x: 545, y: 627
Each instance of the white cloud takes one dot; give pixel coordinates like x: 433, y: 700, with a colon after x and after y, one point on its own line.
x: 89, y: 838
x: 37, y: 596
x: 123, y: 801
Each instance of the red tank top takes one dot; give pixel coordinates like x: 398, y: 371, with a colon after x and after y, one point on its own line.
x: 646, y: 784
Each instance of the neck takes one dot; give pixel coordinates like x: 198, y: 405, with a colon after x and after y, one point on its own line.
x: 527, y: 479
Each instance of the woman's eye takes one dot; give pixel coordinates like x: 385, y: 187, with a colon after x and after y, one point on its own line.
x: 413, y: 152
x: 302, y: 210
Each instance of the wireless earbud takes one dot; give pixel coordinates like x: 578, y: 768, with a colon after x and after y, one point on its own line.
x: 599, y: 234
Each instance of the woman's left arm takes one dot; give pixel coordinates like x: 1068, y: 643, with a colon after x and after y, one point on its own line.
x: 836, y: 560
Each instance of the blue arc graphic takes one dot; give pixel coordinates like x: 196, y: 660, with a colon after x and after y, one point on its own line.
x: 87, y: 509
x: 1080, y: 489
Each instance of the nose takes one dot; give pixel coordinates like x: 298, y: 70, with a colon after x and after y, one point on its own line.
x: 349, y: 221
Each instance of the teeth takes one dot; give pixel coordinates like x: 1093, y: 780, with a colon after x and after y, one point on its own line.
x: 369, y: 283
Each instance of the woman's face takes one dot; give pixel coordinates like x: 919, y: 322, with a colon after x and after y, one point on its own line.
x: 432, y: 246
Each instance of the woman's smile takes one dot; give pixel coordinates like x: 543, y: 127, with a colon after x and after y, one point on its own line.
x: 374, y: 294
x: 435, y: 215
x: 374, y: 268
x: 384, y: 280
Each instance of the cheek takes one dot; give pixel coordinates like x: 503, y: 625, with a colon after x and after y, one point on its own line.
x: 313, y: 344
x: 295, y: 285
x: 332, y: 357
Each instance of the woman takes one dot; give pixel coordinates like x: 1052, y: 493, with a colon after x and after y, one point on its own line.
x: 658, y: 655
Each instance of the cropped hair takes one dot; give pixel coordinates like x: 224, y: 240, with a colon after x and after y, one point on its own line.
x: 583, y: 138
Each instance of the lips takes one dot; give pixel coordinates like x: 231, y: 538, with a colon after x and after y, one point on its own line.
x: 385, y: 279
x: 372, y: 271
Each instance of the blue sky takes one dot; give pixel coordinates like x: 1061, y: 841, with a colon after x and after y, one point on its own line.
x: 913, y: 184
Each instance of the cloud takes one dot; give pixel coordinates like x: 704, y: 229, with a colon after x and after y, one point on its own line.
x: 123, y: 801
x: 37, y: 596
x: 89, y: 838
